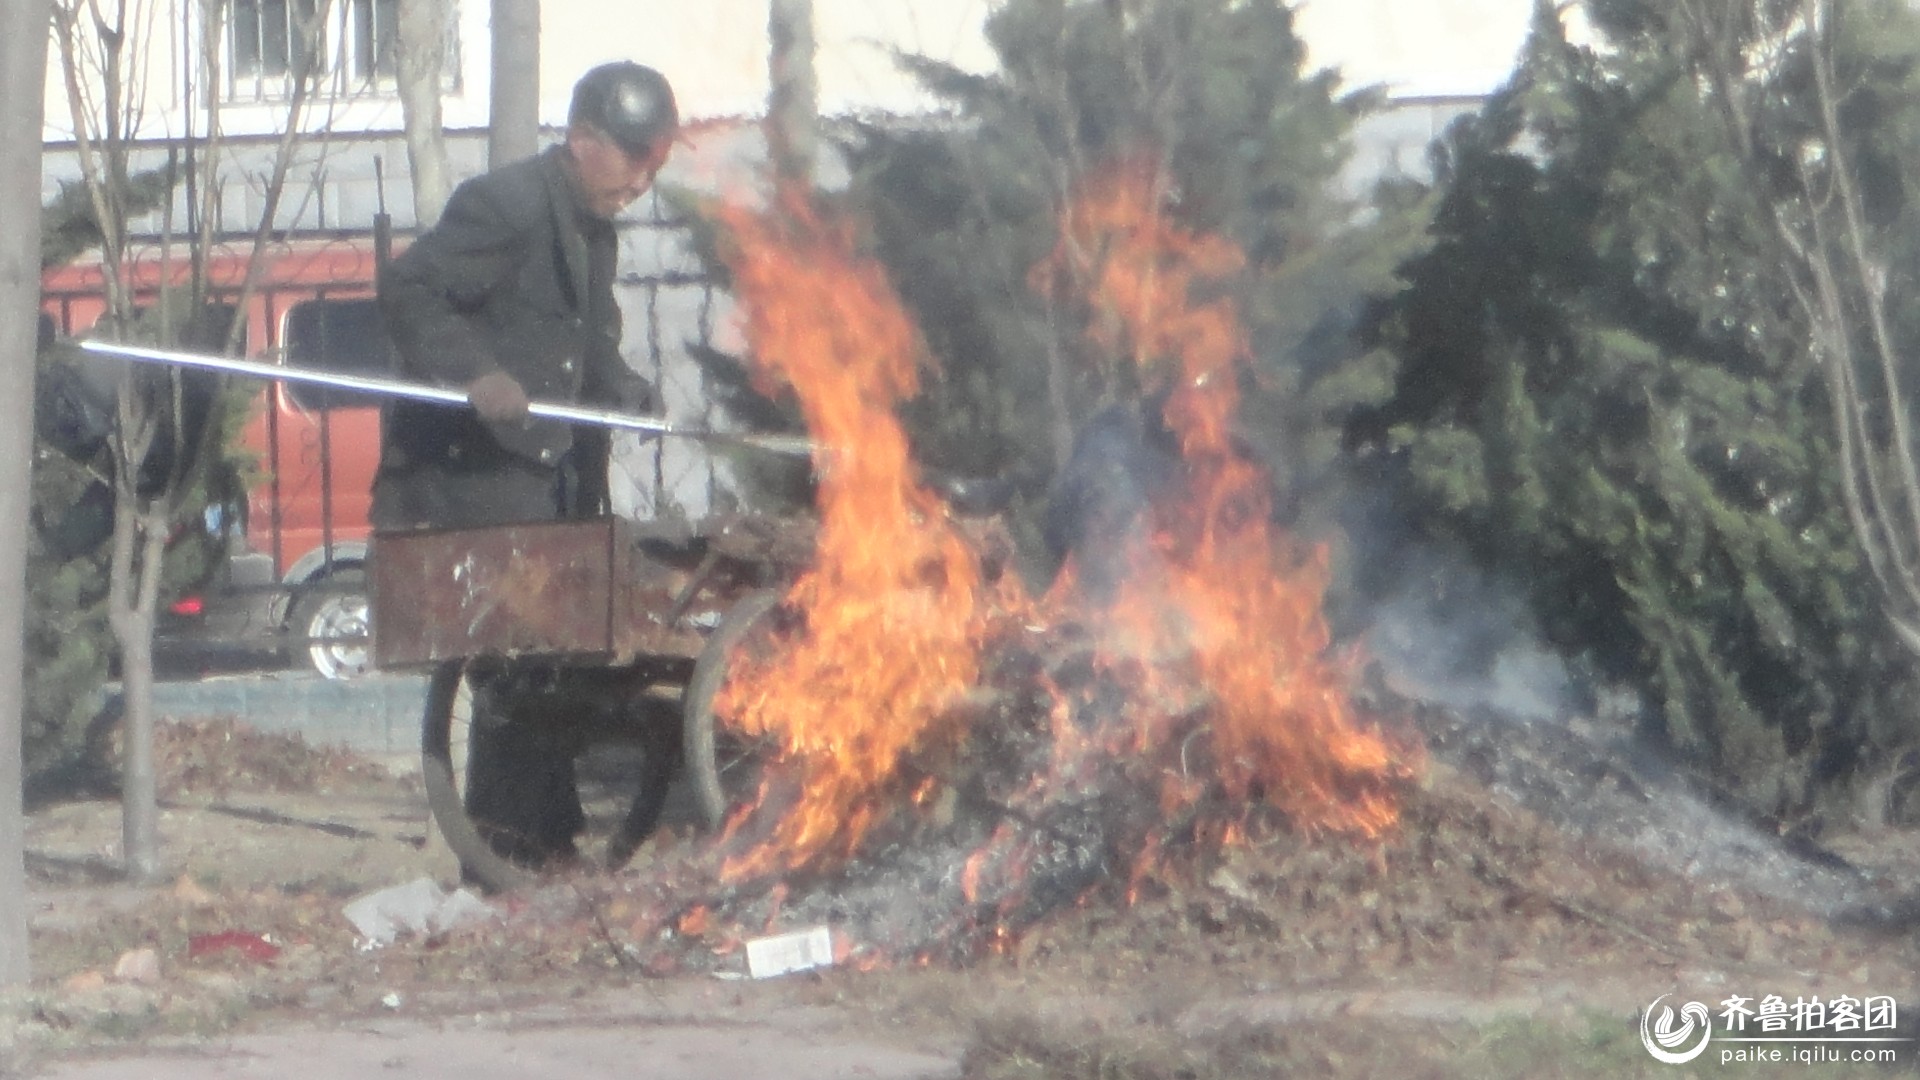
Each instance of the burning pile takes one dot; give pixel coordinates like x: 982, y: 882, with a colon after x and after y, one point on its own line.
x: 1222, y: 605
x: 989, y: 757
x: 894, y: 609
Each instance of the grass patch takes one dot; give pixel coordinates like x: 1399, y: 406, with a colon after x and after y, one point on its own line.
x: 1017, y: 1046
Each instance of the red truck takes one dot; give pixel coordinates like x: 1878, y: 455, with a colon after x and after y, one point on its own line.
x: 292, y: 579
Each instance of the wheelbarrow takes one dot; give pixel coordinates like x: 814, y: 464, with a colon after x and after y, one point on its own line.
x: 632, y: 625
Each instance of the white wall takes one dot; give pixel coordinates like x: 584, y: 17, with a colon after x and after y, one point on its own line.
x: 714, y: 51
x: 1418, y: 48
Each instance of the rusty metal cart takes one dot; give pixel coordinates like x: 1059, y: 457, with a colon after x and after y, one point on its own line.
x: 632, y: 624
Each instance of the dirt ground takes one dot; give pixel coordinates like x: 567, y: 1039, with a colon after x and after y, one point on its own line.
x: 1476, y: 941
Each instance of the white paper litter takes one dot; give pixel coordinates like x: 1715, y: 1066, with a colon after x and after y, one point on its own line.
x: 418, y: 907
x: 780, y: 954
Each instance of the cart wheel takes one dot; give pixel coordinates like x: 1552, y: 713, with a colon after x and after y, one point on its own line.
x: 722, y: 766
x: 630, y: 718
x: 443, y: 795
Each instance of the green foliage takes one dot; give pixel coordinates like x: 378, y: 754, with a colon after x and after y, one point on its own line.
x: 69, y: 226
x: 1213, y: 93
x: 1606, y: 391
x: 69, y: 646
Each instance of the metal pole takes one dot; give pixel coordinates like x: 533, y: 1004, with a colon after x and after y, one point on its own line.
x: 326, y: 457
x: 276, y: 398
x: 792, y: 445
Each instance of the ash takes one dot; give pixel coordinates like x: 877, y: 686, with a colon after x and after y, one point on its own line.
x: 1009, y: 837
x: 1457, y: 652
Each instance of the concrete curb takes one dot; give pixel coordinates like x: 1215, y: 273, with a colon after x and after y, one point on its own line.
x: 377, y: 715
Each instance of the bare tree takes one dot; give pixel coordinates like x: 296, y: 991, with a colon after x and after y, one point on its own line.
x: 1836, y: 262
x: 421, y: 59
x: 23, y: 65
x: 96, y: 41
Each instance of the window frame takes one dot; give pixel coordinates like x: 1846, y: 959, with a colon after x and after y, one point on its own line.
x: 317, y: 355
x: 354, y: 53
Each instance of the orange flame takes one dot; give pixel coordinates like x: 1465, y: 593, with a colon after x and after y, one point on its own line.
x: 694, y: 922
x: 1221, y: 609
x: 1221, y: 621
x: 893, y: 606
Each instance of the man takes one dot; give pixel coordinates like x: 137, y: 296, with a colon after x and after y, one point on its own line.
x: 510, y: 297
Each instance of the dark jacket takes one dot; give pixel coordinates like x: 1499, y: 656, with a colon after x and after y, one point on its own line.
x: 516, y: 277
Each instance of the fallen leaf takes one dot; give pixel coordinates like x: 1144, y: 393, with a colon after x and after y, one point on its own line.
x: 189, y: 892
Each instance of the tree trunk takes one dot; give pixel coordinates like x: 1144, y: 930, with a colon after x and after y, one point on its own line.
x: 793, y: 102
x: 23, y: 59
x: 139, y: 542
x: 90, y: 54
x: 514, y: 127
x: 422, y: 61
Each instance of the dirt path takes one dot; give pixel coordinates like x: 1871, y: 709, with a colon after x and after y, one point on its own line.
x: 677, y: 1032
x: 1480, y: 942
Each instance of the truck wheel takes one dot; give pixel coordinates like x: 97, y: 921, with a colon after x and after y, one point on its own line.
x: 336, y: 609
x: 724, y: 766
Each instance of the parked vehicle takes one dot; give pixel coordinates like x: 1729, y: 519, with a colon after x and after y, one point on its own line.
x: 292, y: 581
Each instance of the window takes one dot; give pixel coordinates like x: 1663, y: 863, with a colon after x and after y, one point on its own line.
x: 270, y: 42
x: 375, y: 26
x: 343, y: 336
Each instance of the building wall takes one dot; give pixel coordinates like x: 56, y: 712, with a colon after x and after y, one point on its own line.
x: 1438, y: 56
x: 715, y: 53
x: 1416, y: 48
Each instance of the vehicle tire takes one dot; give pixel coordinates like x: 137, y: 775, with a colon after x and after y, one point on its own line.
x: 336, y: 608
x: 722, y: 766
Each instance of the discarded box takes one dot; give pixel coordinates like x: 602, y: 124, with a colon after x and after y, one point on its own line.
x: 781, y: 954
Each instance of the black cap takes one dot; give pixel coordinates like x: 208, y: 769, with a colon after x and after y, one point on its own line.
x: 627, y: 102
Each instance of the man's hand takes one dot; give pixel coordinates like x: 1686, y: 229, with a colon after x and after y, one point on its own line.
x: 498, y: 396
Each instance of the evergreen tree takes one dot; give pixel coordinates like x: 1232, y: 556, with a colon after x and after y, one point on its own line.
x: 1215, y: 95
x: 69, y: 646
x: 1607, y: 392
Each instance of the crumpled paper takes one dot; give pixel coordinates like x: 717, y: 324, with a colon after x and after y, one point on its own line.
x: 420, y: 907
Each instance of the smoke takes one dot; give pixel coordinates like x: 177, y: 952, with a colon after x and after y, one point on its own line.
x: 1496, y: 702
x: 1446, y: 632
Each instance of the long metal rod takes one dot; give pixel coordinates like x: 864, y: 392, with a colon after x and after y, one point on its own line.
x: 791, y: 445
